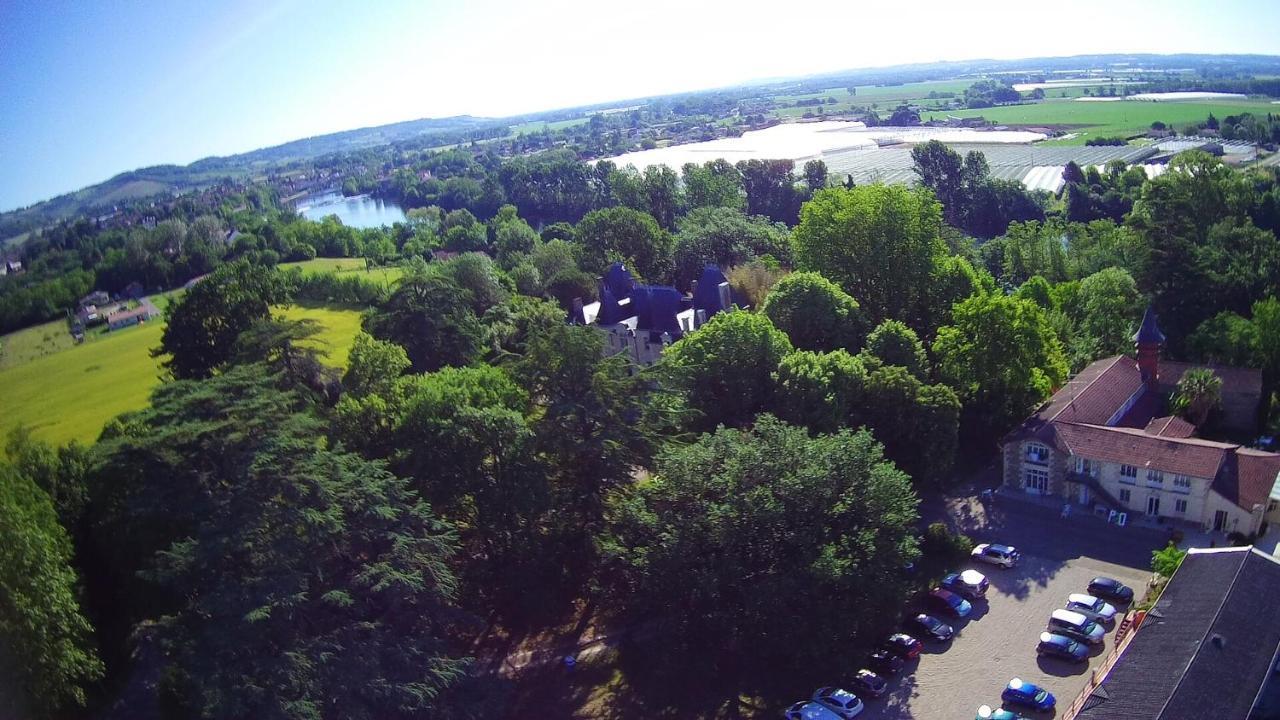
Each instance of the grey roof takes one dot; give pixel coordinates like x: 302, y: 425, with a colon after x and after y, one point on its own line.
x: 1204, y: 650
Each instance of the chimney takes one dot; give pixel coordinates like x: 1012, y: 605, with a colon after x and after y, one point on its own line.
x: 1148, y: 340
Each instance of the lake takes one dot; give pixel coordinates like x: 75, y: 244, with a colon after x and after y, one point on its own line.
x: 358, y: 211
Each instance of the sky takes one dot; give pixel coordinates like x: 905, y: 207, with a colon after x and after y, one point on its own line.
x: 91, y: 89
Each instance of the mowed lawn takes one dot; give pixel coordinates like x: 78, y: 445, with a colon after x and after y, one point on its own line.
x: 342, y: 266
x: 1106, y: 119
x: 71, y: 392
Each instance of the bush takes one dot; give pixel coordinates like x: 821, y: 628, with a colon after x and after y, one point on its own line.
x: 943, y: 544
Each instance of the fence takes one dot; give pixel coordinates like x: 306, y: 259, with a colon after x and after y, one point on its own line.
x: 1124, y: 635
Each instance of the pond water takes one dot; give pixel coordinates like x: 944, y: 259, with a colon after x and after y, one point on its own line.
x: 358, y: 211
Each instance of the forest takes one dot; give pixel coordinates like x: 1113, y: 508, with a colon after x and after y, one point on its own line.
x: 277, y: 538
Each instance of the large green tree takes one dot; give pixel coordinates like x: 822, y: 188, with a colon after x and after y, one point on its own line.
x: 761, y: 549
x: 724, y: 370
x: 430, y: 316
x: 628, y: 235
x: 878, y: 242
x: 201, y: 328
x: 1002, y: 358
x: 815, y: 313
x: 725, y: 237
x: 47, y: 652
x: 284, y: 579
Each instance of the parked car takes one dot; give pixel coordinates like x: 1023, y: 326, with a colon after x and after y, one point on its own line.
x: 1076, y: 626
x: 970, y: 584
x: 930, y: 627
x: 1002, y: 555
x: 986, y: 712
x: 841, y: 702
x: 869, y: 684
x: 949, y: 603
x: 805, y: 710
x: 883, y: 661
x: 1061, y: 646
x: 1020, y: 692
x: 1111, y: 589
x: 1096, y: 609
x: 903, y: 645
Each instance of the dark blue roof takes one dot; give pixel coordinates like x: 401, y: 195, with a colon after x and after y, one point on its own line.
x: 707, y: 295
x: 618, y: 280
x: 1149, y: 331
x: 655, y: 307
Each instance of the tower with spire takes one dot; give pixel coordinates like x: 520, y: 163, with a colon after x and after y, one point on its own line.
x: 1148, y: 340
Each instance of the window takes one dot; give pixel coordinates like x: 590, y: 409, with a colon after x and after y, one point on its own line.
x: 1038, y: 454
x: 1182, y: 482
x: 1084, y: 466
x: 1155, y: 476
x: 1036, y: 481
x: 1128, y: 473
x: 1124, y: 496
x: 1180, y: 506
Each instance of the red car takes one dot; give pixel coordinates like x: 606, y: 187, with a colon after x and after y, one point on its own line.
x: 904, y: 646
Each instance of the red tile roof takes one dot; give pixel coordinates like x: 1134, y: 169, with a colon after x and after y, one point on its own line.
x: 1170, y: 426
x: 1182, y: 456
x: 1256, y: 475
x: 1235, y: 380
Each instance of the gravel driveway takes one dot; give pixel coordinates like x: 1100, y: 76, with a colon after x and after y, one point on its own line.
x: 997, y: 641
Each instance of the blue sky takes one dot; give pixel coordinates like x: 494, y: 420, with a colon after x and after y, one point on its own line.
x: 90, y: 89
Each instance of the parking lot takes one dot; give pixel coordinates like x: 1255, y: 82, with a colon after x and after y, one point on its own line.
x: 998, y: 640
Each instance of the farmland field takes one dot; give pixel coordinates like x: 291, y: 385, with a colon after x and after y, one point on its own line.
x: 1095, y: 119
x: 65, y: 392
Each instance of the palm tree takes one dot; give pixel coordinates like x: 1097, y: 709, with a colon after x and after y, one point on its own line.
x: 1198, y: 393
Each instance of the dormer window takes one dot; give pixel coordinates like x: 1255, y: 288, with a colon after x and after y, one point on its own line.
x: 1038, y: 454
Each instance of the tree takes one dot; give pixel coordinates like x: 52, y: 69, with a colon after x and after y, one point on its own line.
x: 1072, y: 173
x: 725, y: 237
x: 1109, y: 304
x: 725, y: 368
x: 893, y: 343
x: 665, y: 200
x: 709, y: 547
x: 201, y: 328
x: 429, y: 316
x: 373, y: 366
x: 1198, y: 393
x: 620, y: 233
x: 819, y: 390
x: 1002, y: 358
x: 771, y: 189
x: 46, y: 644
x: 878, y: 242
x: 815, y: 313
x: 815, y: 175
x: 1165, y: 562
x: 1225, y: 339
x: 267, y: 564
x: 717, y: 183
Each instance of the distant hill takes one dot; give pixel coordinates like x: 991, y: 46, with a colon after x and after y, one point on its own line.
x: 170, y: 179
x: 434, y: 132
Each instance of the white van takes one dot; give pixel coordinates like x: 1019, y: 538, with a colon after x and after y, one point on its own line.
x: 1076, y: 626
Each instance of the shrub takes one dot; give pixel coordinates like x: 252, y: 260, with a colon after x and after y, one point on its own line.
x: 941, y: 543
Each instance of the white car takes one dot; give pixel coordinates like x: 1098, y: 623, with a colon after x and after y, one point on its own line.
x: 1095, y: 609
x: 841, y: 702
x: 1002, y: 555
x: 809, y: 711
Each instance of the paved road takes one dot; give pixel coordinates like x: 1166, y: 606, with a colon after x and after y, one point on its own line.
x: 998, y: 640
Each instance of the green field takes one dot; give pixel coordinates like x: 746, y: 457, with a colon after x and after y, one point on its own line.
x: 1106, y: 119
x: 67, y: 392
x: 878, y: 97
x: 540, y: 125
x: 345, y: 265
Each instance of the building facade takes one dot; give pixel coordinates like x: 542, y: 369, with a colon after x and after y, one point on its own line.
x: 1105, y: 442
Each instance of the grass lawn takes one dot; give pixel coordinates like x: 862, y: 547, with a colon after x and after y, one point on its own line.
x: 540, y: 125
x: 345, y: 265
x: 1105, y: 119
x: 65, y: 392
x: 340, y: 325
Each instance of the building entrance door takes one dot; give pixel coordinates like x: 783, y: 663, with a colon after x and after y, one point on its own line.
x: 1153, y: 505
x: 1036, y: 481
x: 1220, y: 521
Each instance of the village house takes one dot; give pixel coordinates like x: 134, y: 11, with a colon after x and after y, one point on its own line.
x: 642, y: 320
x: 1106, y: 441
x: 125, y: 318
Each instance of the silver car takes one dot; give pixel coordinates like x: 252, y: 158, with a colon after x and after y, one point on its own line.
x: 1096, y: 609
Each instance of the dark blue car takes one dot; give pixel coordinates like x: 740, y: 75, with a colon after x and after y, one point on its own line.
x: 1061, y: 646
x: 1023, y: 693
